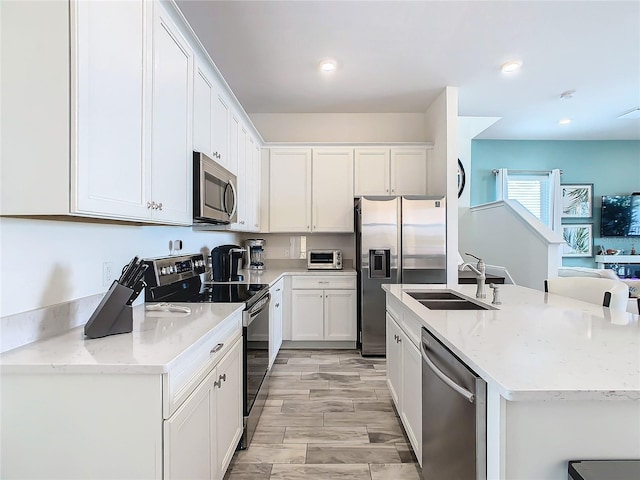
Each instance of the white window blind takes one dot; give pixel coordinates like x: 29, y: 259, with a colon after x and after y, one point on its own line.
x: 535, y: 190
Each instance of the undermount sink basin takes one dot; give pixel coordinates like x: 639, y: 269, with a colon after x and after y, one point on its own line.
x: 446, y: 300
x: 435, y: 296
x: 453, y: 305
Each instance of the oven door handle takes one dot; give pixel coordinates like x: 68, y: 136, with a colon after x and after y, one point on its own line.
x: 249, y: 315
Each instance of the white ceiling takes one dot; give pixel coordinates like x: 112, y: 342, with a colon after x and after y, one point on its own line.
x: 397, y: 56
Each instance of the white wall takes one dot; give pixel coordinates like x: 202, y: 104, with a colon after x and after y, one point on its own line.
x: 441, y: 127
x: 506, y: 234
x: 341, y: 127
x: 46, y: 262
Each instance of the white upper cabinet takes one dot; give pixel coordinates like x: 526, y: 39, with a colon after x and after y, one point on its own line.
x: 132, y: 102
x: 311, y: 190
x: 290, y: 190
x: 391, y: 171
x: 372, y: 171
x: 203, y: 98
x: 112, y: 87
x: 332, y: 190
x: 171, y: 149
x: 408, y: 171
x: 221, y: 121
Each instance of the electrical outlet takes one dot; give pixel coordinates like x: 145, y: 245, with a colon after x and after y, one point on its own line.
x: 107, y: 274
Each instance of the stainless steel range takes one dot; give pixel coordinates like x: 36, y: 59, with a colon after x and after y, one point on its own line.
x: 177, y: 279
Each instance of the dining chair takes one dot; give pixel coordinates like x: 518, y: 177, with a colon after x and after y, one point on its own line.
x: 613, y: 294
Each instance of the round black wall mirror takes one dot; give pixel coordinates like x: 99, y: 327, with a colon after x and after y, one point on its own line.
x: 461, y: 178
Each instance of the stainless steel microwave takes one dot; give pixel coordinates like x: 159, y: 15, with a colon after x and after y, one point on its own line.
x: 324, y: 260
x: 214, y: 191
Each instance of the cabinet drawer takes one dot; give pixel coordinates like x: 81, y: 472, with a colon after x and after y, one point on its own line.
x: 412, y: 326
x: 395, y: 308
x: 324, y: 282
x: 196, y: 364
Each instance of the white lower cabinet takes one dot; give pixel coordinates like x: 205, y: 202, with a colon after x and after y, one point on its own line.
x: 275, y: 320
x: 323, y: 308
x: 404, y: 379
x: 184, y: 423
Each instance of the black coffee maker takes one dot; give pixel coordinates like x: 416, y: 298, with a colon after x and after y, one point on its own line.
x: 224, y: 262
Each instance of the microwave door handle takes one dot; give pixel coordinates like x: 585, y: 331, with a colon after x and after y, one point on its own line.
x: 235, y: 203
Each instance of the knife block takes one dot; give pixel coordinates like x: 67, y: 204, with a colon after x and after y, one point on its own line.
x: 112, y: 316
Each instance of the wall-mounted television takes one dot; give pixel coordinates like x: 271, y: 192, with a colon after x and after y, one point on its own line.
x: 620, y: 216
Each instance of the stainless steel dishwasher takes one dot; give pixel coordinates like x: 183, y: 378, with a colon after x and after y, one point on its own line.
x: 454, y: 416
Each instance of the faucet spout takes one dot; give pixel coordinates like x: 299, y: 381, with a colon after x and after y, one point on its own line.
x: 479, y: 270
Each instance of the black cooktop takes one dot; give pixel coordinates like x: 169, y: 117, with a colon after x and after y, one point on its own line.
x: 192, y: 290
x: 230, y: 292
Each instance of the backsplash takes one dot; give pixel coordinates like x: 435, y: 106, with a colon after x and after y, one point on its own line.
x: 27, y: 327
x: 291, y: 246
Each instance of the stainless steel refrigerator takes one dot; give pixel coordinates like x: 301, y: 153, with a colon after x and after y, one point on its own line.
x: 398, y: 240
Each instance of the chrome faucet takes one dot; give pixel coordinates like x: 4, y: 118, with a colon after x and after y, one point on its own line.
x: 479, y: 270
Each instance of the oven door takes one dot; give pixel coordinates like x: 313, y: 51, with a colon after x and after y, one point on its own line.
x: 214, y: 192
x: 255, y: 333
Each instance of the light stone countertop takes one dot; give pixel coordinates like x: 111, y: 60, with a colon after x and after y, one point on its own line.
x: 539, y: 346
x: 158, y: 339
x: 271, y: 275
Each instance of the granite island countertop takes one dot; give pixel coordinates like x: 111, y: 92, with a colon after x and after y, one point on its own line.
x: 158, y: 340
x: 538, y: 346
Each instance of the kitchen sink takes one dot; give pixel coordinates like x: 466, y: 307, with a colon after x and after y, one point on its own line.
x: 434, y: 296
x: 453, y: 305
x: 446, y: 300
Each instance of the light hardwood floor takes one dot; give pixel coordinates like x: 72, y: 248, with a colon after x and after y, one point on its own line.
x: 328, y: 415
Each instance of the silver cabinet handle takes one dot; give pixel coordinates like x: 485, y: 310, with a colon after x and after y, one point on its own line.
x: 217, y: 348
x: 150, y: 205
x: 461, y: 390
x: 277, y: 305
x: 217, y: 383
x: 277, y: 289
x: 160, y: 206
x: 223, y: 377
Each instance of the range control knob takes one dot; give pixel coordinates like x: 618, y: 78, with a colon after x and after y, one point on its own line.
x: 163, y: 271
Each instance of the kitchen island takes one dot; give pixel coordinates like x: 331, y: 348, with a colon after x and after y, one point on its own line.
x: 563, y: 376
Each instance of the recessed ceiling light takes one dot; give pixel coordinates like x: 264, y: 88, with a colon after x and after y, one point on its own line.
x: 564, y: 121
x: 328, y: 65
x: 511, y: 66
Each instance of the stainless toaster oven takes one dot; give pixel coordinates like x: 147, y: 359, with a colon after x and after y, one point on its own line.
x: 324, y: 260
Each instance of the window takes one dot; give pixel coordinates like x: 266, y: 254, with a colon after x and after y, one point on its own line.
x: 536, y: 191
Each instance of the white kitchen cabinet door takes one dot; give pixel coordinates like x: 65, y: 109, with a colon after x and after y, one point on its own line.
x: 241, y: 220
x: 340, y: 315
x: 290, y: 190
x: 171, y: 143
x: 203, y: 98
x: 257, y: 186
x: 228, y: 404
x: 307, y: 311
x: 332, y: 190
x: 110, y: 174
x: 220, y: 134
x: 408, y: 171
x: 371, y: 166
x: 249, y: 183
x: 394, y: 361
x: 189, y: 436
x: 275, y: 320
x: 412, y: 393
